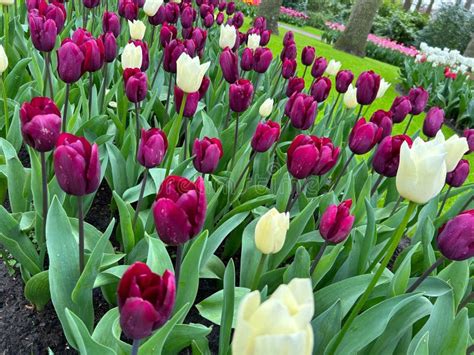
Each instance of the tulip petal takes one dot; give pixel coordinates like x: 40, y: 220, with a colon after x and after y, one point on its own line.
x: 171, y: 222
x: 137, y: 318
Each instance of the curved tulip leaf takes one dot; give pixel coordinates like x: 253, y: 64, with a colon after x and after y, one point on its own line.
x: 107, y: 332
x: 37, y: 290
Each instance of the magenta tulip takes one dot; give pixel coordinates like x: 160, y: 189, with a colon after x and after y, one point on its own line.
x: 319, y: 67
x: 469, y: 134
x: 367, y: 85
x: 110, y: 46
x: 111, y: 23
x: 70, y: 62
x: 262, y: 58
x: 43, y: 32
x: 288, y: 68
x: 246, y: 62
x: 387, y: 156
x: 320, y: 88
x: 191, y: 104
x: 307, y: 55
x: 343, y: 79
x: 128, y: 9
x: 400, y: 108
x: 135, y: 84
x: 207, y: 154
x: 229, y: 62
x: 433, y: 121
x: 240, y: 95
x: 383, y: 119
x: 266, y: 134
x: 336, y: 222
x: 460, y: 173
x: 456, y: 237
x: 364, y: 136
x: 418, y: 99
x: 152, y: 147
x: 295, y: 84
x: 302, y: 110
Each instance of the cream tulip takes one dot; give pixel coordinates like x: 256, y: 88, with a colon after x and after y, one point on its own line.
x: 190, y: 72
x: 270, y: 232
x: 333, y: 67
x: 228, y: 36
x: 253, y: 41
x: 281, y: 325
x: 151, y: 7
x: 422, y: 169
x: 382, y: 88
x: 6, y: 2
x: 137, y: 29
x: 350, y: 97
x: 266, y: 108
x: 3, y: 60
x: 131, y: 56
x: 456, y: 148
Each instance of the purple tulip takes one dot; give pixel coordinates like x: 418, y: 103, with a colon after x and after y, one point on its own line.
x: 319, y: 67
x: 230, y: 8
x: 145, y: 53
x: 336, y: 222
x: 307, y: 55
x: 238, y: 19
x: 387, y: 156
x: 220, y: 18
x: 152, y: 147
x: 136, y: 85
x: 246, y: 62
x: 90, y: 4
x: 288, y: 68
x: 288, y: 38
x: 265, y: 37
x: 456, y: 237
x: 229, y: 62
x: 418, y: 99
x: 221, y: 6
x: 433, y: 121
x: 302, y: 110
x: 199, y: 37
x: 460, y: 173
x: 207, y: 154
x: 266, y: 134
x: 328, y: 155
x: 40, y: 123
x: 128, y: 9
x: 401, y: 107
x: 288, y: 52
x: 240, y: 95
x: 159, y: 18
x: 70, y: 62
x: 367, y: 85
x: 179, y: 209
x: 364, y: 136
x: 171, y: 12
x: 187, y: 17
x: 110, y: 46
x: 145, y: 300
x: 76, y: 165
x: 55, y: 11
x: 262, y: 58
x: 191, y: 104
x: 320, y: 89
x: 167, y: 34
x: 295, y: 84
x: 208, y: 20
x: 174, y: 50
x: 111, y: 23
x: 343, y: 79
x: 383, y: 119
x: 469, y: 134
x: 204, y: 87
x: 43, y: 32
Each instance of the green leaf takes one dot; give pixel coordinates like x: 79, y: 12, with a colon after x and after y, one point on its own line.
x: 107, y: 332
x: 15, y: 77
x: 399, y: 282
x: 300, y: 266
x: 457, y: 339
x: 118, y: 169
x: 326, y: 326
x: 368, y: 242
x: 37, y: 290
x: 227, y: 316
x: 183, y: 335
x: 126, y: 230
x: 158, y: 258
x: 326, y: 263
x: 456, y: 274
x: 249, y: 255
x: 421, y: 346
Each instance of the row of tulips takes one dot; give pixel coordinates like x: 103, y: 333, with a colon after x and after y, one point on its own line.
x: 258, y: 127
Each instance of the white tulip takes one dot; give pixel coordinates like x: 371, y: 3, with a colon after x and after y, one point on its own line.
x: 350, y: 97
x: 270, y: 232
x: 189, y: 73
x: 456, y: 147
x: 280, y: 325
x: 382, y: 88
x: 228, y: 36
x: 131, y: 56
x: 253, y: 41
x: 333, y: 67
x: 137, y: 29
x: 266, y: 108
x: 3, y: 60
x: 6, y: 2
x: 422, y: 170
x: 151, y: 7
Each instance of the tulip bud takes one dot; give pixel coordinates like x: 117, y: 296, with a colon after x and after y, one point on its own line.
x: 145, y: 55
x: 171, y: 12
x: 288, y: 52
x: 367, y: 85
x: 319, y: 67
x: 70, y: 59
x: 145, y: 300
x: 208, y: 20
x: 364, y: 136
x: 111, y: 23
x: 265, y: 37
x: 55, y: 11
x: 321, y: 88
x: 167, y: 34
x: 221, y: 6
x: 333, y: 67
x: 455, y: 148
x: 204, y: 87
x: 433, y: 121
x: 382, y: 88
x: 383, y: 119
x: 302, y: 110
x: 302, y: 156
x: 190, y: 73
x: 76, y: 165
x: 128, y: 9
x: 238, y: 19
x: 240, y: 95
x: 229, y: 62
x: 179, y: 209
x: 260, y: 23
x: 290, y: 305
x: 265, y: 135
x: 460, y: 173
x: 468, y: 134
x: 266, y: 108
x: 187, y: 17
x: 295, y: 84
x: 253, y: 41
x: 401, y: 107
x: 336, y: 222
x: 152, y: 147
x: 110, y: 46
x: 191, y: 104
x: 40, y: 123
x: 246, y: 63
x: 270, y: 231
x: 416, y: 180
x: 418, y: 99
x: 230, y: 8
x: 42, y: 32
x: 343, y: 80
x: 159, y: 18
x: 328, y: 155
x: 288, y: 68
x: 137, y: 29
x: 456, y: 237
x: 387, y: 156
x: 199, y: 37
x: 94, y: 55
x: 350, y: 97
x: 228, y: 36
x: 262, y: 58
x: 220, y: 18
x: 288, y: 38
x: 151, y: 7
x: 136, y: 85
x: 207, y: 153
x: 307, y: 55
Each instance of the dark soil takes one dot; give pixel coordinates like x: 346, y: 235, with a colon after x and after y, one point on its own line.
x: 100, y: 215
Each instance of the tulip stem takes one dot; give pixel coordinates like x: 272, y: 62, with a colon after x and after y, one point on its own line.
x: 157, y: 70
x: 137, y: 121
x: 249, y: 163
x: 400, y: 199
x: 90, y: 94
x: 258, y: 272
x: 363, y: 299
x: 177, y: 264
x: 6, y: 21
x: 318, y: 257
x: 135, y: 346
x: 343, y: 170
x: 445, y: 198
x: 187, y: 138
x: 376, y: 185
x: 173, y: 140
x: 170, y: 82
x: 359, y: 112
x: 227, y: 118
x: 5, y: 105
x: 140, y: 198
x: 236, y: 138
x: 467, y: 203
x: 80, y: 212
x: 104, y: 86
x: 304, y: 72
x: 408, y: 124
x: 44, y: 180
x: 419, y: 280
x: 466, y: 301
x: 328, y: 121
x: 50, y: 74
x: 66, y: 102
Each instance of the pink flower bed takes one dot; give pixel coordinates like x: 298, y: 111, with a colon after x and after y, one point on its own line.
x: 293, y: 13
x: 380, y: 41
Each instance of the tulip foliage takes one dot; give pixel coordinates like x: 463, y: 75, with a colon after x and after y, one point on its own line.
x: 222, y: 167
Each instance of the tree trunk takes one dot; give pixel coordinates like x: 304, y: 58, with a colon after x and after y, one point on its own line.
x: 418, y: 5
x: 407, y: 4
x: 468, y: 4
x: 354, y: 39
x: 430, y: 7
x: 270, y: 9
x: 469, y: 52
